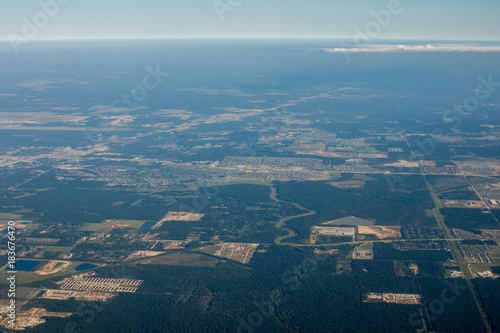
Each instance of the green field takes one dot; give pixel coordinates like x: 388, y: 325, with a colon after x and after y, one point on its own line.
x: 62, y: 249
x: 365, y: 247
x: 182, y: 259
x: 108, y: 225
x: 6, y: 217
x: 25, y: 293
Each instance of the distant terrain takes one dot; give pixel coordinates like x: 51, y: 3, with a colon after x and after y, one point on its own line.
x: 284, y: 191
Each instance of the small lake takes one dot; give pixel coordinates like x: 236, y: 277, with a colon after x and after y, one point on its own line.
x: 83, y: 267
x: 26, y: 265
x: 148, y: 225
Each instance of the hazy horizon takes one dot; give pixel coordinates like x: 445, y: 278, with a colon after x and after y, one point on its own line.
x: 403, y: 20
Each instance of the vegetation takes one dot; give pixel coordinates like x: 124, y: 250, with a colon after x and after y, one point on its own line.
x: 375, y: 201
x: 469, y: 218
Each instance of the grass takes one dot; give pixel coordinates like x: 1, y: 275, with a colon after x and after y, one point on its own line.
x: 251, y: 181
x: 94, y: 227
x: 429, y: 213
x: 365, y: 247
x: 42, y: 240
x: 111, y: 224
x: 23, y: 277
x: 23, y: 293
x: 137, y: 202
x: 6, y: 217
x: 348, y: 184
x: 31, y: 226
x: 182, y: 259
x: 24, y: 210
x: 28, y: 194
x: 62, y: 249
x: 445, y: 183
x: 480, y: 267
x: 212, y: 251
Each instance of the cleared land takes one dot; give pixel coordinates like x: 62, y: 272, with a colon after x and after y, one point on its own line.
x: 364, y: 251
x: 108, y: 225
x: 465, y: 204
x: 393, y: 298
x: 146, y: 253
x: 182, y: 259
x: 182, y: 216
x: 351, y: 220
x: 331, y: 232
x: 88, y: 296
x: 241, y: 252
x: 380, y: 232
x: 53, y: 267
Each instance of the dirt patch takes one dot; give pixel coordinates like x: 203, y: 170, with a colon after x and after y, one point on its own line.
x: 182, y: 216
x: 52, y: 267
x: 380, y: 231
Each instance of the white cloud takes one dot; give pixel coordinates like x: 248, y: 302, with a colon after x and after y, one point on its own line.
x: 385, y: 48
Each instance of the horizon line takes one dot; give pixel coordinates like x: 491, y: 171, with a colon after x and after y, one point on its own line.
x: 374, y: 40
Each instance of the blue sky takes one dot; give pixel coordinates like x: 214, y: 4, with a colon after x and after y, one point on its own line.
x: 419, y: 19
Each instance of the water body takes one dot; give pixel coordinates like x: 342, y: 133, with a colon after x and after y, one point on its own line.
x: 83, y: 267
x: 148, y: 225
x: 26, y: 265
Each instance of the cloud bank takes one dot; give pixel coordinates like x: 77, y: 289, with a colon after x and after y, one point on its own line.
x: 384, y: 48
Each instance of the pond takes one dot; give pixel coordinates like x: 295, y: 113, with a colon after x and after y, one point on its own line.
x: 26, y: 265
x: 148, y: 225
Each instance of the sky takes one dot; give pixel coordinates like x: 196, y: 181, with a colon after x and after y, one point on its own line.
x: 136, y: 19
